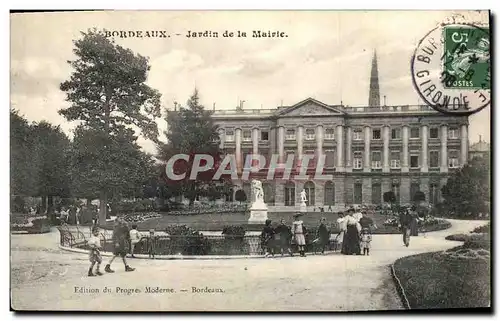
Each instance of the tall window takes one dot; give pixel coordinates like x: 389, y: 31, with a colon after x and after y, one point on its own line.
x: 357, y: 160
x: 376, y: 193
x: 264, y: 135
x: 414, y: 159
x: 330, y: 159
x: 376, y: 160
x: 453, y: 133
x: 229, y: 135
x: 247, y: 188
x: 433, y: 194
x: 247, y: 135
x: 290, y: 194
x: 310, y: 194
x: 434, y: 132
x: 453, y: 159
x: 358, y: 193
x: 357, y: 134
x: 434, y: 158
x: 396, y: 133
x: 290, y: 134
x: 310, y: 134
x: 376, y: 134
x: 329, y: 133
x: 395, y: 188
x: 268, y: 193
x: 329, y: 193
x: 415, y: 132
x: 414, y: 188
x: 395, y: 159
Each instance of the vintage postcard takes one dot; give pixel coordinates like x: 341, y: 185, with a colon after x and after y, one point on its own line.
x: 250, y: 161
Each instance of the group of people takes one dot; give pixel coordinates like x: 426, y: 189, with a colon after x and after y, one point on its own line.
x: 121, y: 246
x: 355, y: 235
x: 355, y: 232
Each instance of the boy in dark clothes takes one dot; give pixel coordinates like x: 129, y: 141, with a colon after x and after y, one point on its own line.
x: 323, y: 235
x: 267, y: 237
x: 283, y: 236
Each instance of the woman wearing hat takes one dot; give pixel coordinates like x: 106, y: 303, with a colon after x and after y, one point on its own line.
x: 351, y: 243
x: 299, y: 234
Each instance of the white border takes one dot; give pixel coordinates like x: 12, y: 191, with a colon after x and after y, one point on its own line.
x: 185, y: 4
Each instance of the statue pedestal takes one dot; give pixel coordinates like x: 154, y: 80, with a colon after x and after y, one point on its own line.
x: 258, y: 213
x: 303, y: 207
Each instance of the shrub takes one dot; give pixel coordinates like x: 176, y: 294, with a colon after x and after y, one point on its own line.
x: 457, y: 237
x: 482, y: 229
x: 233, y: 232
x: 478, y: 241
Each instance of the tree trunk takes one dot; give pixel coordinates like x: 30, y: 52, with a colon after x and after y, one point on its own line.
x: 50, y: 208
x: 43, y: 208
x: 103, y: 208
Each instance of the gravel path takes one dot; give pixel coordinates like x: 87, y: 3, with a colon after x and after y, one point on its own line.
x: 46, y: 278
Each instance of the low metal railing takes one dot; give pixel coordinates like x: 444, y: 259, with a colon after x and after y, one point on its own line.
x: 196, y: 244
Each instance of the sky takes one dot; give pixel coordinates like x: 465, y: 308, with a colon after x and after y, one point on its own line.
x: 326, y: 55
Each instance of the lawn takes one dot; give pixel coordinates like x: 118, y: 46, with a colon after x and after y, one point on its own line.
x: 457, y: 278
x: 216, y: 221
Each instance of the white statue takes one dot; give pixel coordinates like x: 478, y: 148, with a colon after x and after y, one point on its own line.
x: 303, y: 197
x: 258, y: 191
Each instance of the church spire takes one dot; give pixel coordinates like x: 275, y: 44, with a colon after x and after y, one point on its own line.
x: 374, y: 96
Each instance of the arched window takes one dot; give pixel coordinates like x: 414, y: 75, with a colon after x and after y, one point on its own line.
x: 268, y: 193
x: 310, y: 194
x: 247, y: 188
x: 289, y: 194
x: 329, y: 193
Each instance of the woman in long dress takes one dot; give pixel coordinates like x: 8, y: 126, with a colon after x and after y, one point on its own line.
x: 413, y: 221
x: 351, y: 243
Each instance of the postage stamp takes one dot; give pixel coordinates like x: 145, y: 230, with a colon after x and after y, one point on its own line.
x: 467, y: 57
x: 451, y: 68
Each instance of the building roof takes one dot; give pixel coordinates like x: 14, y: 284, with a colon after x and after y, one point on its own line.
x: 480, y: 146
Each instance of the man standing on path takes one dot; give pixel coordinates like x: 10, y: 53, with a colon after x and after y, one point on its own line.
x: 121, y: 241
x: 404, y: 223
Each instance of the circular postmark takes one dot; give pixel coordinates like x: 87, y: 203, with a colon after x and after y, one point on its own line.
x: 451, y: 68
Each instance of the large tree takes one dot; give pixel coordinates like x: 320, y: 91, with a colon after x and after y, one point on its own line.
x: 109, y: 95
x: 191, y: 131
x: 468, y: 189
x: 23, y: 171
x: 51, y: 154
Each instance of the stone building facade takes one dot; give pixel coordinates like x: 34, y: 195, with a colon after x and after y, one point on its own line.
x: 369, y: 150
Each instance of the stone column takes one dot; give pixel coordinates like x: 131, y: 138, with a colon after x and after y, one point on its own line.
x: 367, y: 165
x: 319, y: 140
x: 222, y: 138
x: 464, y: 144
x: 425, y: 141
x: 340, y: 148
x: 444, y: 148
x: 255, y: 140
x: 300, y: 140
x: 281, y: 144
x: 319, y: 143
x: 349, y: 149
x: 385, y: 136
x: 237, y: 139
x: 405, y: 165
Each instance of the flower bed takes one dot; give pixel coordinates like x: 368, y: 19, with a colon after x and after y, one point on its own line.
x: 30, y: 224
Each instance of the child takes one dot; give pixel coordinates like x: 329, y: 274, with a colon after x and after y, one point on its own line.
x: 366, y: 239
x: 135, y: 237
x: 299, y: 234
x: 94, y: 254
x: 151, y: 243
x: 267, y: 237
